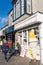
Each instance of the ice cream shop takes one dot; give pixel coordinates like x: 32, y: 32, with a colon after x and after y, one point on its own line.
x: 29, y: 34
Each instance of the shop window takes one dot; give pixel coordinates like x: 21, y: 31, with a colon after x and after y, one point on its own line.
x: 33, y: 40
x: 33, y: 34
x: 37, y: 34
x: 16, y: 37
x: 25, y: 34
x: 25, y: 38
x: 20, y: 37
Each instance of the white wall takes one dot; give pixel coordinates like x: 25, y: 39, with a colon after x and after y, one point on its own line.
x: 41, y: 41
x: 37, y: 5
x: 1, y: 32
x: 10, y: 20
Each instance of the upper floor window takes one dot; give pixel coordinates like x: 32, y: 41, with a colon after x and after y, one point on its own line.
x: 17, y: 8
x: 22, y: 7
x: 14, y: 11
x: 28, y: 6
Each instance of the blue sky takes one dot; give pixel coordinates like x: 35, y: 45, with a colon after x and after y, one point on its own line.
x: 5, y: 7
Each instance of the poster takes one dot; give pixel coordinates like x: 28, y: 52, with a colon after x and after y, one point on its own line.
x: 23, y: 51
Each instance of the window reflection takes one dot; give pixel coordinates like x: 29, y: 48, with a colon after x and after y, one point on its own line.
x: 14, y: 11
x: 17, y: 8
x: 22, y: 7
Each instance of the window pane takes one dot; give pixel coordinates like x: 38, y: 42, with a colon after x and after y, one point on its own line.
x: 25, y: 38
x: 17, y: 8
x: 22, y: 6
x: 20, y: 37
x: 28, y: 6
x: 34, y: 42
x: 14, y: 11
x: 33, y: 36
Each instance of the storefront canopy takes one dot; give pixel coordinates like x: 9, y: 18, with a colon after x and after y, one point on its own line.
x: 35, y: 18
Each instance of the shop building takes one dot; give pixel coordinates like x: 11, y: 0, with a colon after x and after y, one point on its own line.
x: 9, y: 31
x: 2, y: 35
x: 23, y: 9
x: 25, y: 38
x: 24, y: 35
x: 27, y: 22
x: 25, y: 26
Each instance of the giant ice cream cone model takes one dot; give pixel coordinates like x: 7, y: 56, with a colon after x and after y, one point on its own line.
x: 31, y: 34
x: 33, y: 42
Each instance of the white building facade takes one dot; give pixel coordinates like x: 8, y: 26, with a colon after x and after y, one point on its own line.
x: 28, y: 26
x: 25, y: 22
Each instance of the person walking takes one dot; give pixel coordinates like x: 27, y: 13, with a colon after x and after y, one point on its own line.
x: 19, y: 48
x: 10, y: 46
x: 1, y: 45
x: 5, y: 49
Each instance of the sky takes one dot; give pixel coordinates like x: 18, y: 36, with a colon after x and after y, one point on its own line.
x: 5, y: 7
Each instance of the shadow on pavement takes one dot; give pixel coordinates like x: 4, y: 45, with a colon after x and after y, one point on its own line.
x: 12, y: 54
x: 34, y: 63
x: 10, y: 57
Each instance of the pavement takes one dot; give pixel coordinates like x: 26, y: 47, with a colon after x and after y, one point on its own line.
x: 17, y: 60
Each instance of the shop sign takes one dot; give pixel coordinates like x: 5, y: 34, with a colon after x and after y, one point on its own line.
x: 8, y: 30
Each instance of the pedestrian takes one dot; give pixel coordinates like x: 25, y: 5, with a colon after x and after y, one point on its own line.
x: 19, y: 48
x: 10, y: 46
x: 1, y: 45
x: 5, y: 49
